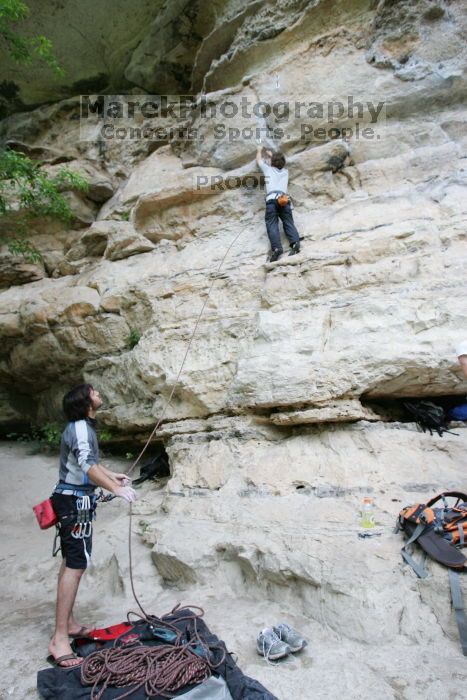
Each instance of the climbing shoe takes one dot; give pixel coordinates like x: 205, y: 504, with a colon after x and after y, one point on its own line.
x: 291, y: 637
x: 269, y: 645
x: 294, y: 248
x: 275, y: 255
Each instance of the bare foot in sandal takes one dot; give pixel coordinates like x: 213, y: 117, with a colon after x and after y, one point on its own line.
x: 60, y: 654
x: 78, y: 630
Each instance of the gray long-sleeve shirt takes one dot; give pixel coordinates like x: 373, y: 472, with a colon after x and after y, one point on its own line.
x: 79, y: 450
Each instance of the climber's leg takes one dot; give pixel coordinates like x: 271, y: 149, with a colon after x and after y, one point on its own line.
x: 290, y: 229
x: 272, y: 225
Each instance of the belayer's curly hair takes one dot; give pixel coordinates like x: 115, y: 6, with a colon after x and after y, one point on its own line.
x: 278, y: 160
x: 77, y: 402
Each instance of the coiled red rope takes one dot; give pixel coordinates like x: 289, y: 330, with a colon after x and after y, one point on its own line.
x: 161, y: 670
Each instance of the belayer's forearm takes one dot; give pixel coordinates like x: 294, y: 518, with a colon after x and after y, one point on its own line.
x: 99, y: 475
x: 108, y: 472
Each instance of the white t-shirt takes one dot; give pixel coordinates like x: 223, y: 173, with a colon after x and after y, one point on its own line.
x: 276, y: 180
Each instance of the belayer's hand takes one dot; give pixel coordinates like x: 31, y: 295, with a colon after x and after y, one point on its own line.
x: 126, y: 492
x: 122, y: 479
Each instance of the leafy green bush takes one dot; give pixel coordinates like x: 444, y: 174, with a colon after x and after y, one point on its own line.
x: 23, y: 184
x: 51, y: 433
x: 105, y: 435
x: 21, y: 180
x: 47, y: 437
x: 23, y: 49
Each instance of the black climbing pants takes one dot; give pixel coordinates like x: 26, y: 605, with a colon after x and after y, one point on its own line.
x: 274, y: 212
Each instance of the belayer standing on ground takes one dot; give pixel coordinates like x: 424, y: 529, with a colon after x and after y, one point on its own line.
x: 74, y: 503
x: 278, y: 204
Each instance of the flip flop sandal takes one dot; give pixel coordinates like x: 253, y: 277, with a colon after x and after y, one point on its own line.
x: 57, y: 662
x: 82, y: 632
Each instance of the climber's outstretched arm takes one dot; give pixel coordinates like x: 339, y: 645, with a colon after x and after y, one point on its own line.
x: 259, y: 152
x: 259, y: 155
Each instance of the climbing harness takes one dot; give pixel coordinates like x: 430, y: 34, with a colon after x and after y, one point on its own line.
x: 282, y: 198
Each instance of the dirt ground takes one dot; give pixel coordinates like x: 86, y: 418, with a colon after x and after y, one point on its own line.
x: 329, y: 666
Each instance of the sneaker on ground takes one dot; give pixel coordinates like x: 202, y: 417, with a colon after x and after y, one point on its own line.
x: 294, y: 248
x: 269, y: 645
x: 291, y: 637
x: 275, y: 255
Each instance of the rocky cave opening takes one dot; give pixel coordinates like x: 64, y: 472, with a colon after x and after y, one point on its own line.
x: 394, y: 410
x: 154, y: 463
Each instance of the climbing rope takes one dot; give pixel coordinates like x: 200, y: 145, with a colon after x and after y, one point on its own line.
x: 162, y: 670
x: 154, y: 431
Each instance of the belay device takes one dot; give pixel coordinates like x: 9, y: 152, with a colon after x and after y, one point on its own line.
x: 439, y: 531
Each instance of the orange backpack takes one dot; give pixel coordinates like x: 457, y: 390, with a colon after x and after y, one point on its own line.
x: 448, y: 523
x: 440, y: 532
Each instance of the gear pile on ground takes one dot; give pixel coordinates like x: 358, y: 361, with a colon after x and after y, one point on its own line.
x: 172, y: 656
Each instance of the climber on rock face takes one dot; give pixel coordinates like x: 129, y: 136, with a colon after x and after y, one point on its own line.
x: 278, y: 204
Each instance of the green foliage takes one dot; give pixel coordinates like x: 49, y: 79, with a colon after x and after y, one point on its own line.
x: 17, y: 246
x: 133, y: 338
x: 23, y: 49
x: 105, y: 435
x: 51, y: 433
x: 29, y: 192
x: 22, y: 183
x: 20, y: 437
x: 125, y: 216
x: 47, y: 437
x: 129, y: 455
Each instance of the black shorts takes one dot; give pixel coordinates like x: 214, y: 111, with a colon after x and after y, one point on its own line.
x: 76, y: 552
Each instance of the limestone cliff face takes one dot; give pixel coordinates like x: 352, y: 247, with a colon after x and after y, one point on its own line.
x: 371, y: 309
x: 372, y: 306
